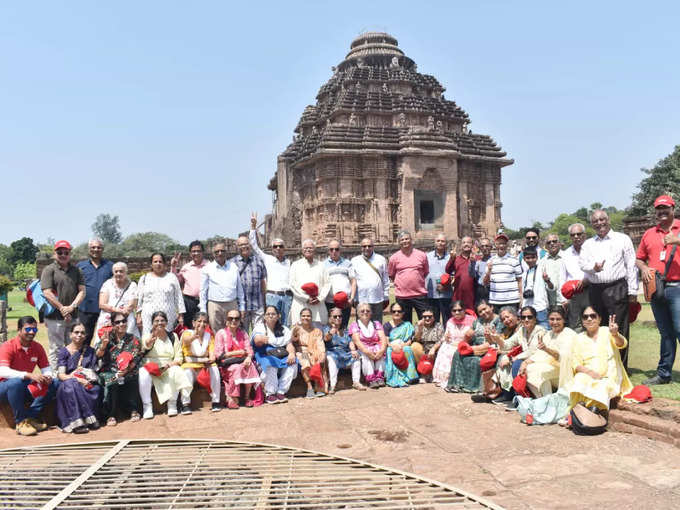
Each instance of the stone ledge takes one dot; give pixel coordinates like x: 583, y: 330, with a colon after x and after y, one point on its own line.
x: 658, y: 420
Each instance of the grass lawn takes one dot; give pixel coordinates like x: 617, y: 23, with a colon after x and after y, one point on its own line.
x: 643, y: 355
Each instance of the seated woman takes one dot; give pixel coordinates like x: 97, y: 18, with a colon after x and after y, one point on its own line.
x: 598, y: 374
x: 121, y: 389
x: 371, y: 342
x: 457, y: 327
x: 232, y: 345
x: 340, y: 351
x: 162, y: 348
x: 275, y: 355
x: 78, y: 393
x: 428, y: 335
x: 399, y: 336
x: 466, y: 376
x: 310, y: 351
x: 198, y: 352
x: 524, y: 340
x: 543, y: 366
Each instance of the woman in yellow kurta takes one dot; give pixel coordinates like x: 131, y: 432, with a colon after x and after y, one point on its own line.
x: 198, y: 352
x: 598, y: 374
x: 163, y: 348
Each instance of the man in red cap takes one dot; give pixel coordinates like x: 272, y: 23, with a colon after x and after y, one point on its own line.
x: 63, y: 285
x: 503, y: 276
x: 608, y: 261
x: 18, y: 359
x: 659, y: 249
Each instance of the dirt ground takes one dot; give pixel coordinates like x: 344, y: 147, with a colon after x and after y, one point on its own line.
x: 479, y: 448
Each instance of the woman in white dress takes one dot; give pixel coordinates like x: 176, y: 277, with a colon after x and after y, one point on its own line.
x: 118, y: 294
x: 159, y: 290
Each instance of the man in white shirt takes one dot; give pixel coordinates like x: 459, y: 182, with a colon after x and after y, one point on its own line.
x: 535, y: 286
x: 572, y: 271
x: 307, y: 270
x: 221, y: 288
x: 608, y: 261
x: 343, y: 279
x: 278, y: 270
x: 373, y: 282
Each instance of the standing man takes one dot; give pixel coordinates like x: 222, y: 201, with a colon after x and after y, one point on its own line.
x: 535, y: 286
x: 553, y: 269
x: 504, y: 277
x: 190, y: 280
x: 408, y: 269
x: 221, y: 288
x: 482, y: 290
x: 373, y: 282
x: 608, y: 261
x: 342, y: 278
x: 18, y: 359
x: 278, y: 269
x: 658, y: 250
x: 63, y: 286
x: 254, y: 279
x: 96, y: 270
x: 462, y: 268
x: 438, y: 294
x: 532, y: 239
x: 572, y: 271
x: 305, y: 271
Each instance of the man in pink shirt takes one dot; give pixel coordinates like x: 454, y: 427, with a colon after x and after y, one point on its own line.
x: 190, y: 279
x: 408, y: 269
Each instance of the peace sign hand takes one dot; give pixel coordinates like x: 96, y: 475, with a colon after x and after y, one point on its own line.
x: 613, y: 326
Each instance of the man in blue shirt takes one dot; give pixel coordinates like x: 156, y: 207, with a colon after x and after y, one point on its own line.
x: 438, y: 295
x: 96, y: 271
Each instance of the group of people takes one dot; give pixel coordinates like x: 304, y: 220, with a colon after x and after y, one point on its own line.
x: 493, y: 325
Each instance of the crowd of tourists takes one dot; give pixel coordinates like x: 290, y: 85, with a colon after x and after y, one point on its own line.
x: 543, y: 332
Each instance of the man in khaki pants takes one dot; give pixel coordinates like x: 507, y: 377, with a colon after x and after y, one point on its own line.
x: 221, y: 288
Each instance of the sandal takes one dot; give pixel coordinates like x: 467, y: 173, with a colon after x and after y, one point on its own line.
x: 250, y: 403
x: 232, y: 404
x: 135, y: 416
x: 111, y: 422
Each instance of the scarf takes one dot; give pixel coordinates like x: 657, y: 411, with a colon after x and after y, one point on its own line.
x: 366, y: 331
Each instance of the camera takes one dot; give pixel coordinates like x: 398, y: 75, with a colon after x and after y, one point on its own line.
x: 528, y: 294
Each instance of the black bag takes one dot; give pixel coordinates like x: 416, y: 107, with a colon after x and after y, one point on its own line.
x: 660, y: 280
x: 587, y: 422
x: 278, y: 352
x: 224, y: 362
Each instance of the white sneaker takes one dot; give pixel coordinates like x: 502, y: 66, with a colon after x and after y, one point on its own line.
x: 148, y: 412
x: 172, y: 408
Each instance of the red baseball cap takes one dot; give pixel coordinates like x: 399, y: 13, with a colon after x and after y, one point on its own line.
x: 38, y: 389
x: 640, y: 393
x: 310, y: 288
x: 569, y: 288
x: 634, y: 309
x: 501, y: 236
x: 665, y: 200
x: 341, y: 300
x: 67, y: 245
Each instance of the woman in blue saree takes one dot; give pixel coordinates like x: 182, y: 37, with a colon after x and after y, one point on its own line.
x: 400, y: 334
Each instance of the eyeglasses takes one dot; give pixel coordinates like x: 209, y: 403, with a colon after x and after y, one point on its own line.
x: 29, y: 329
x: 527, y: 317
x: 367, y: 311
x: 63, y: 252
x: 397, y: 311
x: 428, y: 316
x: 333, y: 249
x: 531, y: 238
x: 589, y: 316
x: 552, y: 241
x: 233, y: 319
x: 219, y: 251
x: 121, y: 321
x: 277, y: 246
x: 335, y: 316
x: 576, y: 234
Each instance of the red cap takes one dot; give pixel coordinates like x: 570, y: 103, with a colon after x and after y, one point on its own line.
x: 488, y: 361
x: 399, y: 359
x: 123, y: 360
x: 640, y: 393
x: 153, y: 369
x: 464, y: 349
x: 425, y: 365
x: 38, y: 389
x: 569, y: 288
x: 67, y: 245
x: 665, y: 200
x: 501, y: 236
x: 445, y: 279
x: 634, y: 308
x: 311, y: 289
x: 340, y: 299
x: 203, y: 378
x: 519, y: 384
x: 316, y: 374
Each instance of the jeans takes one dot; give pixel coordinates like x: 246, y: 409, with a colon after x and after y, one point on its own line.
x: 15, y: 391
x: 542, y: 319
x: 441, y: 308
x: 667, y: 315
x: 282, y: 303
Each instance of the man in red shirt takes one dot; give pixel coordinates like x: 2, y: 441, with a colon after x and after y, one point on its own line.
x: 463, y: 275
x: 658, y: 246
x: 18, y: 358
x: 408, y: 269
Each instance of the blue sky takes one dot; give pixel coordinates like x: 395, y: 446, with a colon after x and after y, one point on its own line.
x: 171, y: 114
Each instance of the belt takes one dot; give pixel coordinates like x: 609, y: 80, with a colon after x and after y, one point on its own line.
x: 280, y: 292
x: 190, y: 298
x: 672, y: 283
x: 609, y: 284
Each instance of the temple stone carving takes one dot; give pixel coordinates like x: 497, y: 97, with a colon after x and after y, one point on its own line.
x: 382, y: 150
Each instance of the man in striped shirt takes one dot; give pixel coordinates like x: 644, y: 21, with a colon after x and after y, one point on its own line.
x: 503, y: 276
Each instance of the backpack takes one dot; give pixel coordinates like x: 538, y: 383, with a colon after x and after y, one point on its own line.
x: 35, y: 296
x: 587, y: 422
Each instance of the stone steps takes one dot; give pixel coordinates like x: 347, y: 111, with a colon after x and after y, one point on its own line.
x: 658, y: 420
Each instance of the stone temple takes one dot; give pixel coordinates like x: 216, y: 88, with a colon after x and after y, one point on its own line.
x: 383, y: 150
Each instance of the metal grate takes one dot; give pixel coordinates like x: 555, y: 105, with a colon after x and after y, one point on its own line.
x: 157, y: 474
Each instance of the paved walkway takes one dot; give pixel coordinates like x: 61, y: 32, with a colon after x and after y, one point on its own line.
x: 479, y: 448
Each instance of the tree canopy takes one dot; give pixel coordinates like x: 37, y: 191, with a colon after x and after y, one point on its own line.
x: 107, y: 228
x: 662, y: 179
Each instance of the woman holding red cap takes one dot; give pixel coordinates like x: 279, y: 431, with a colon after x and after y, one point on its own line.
x: 121, y: 390
x: 400, y: 335
x: 458, y: 327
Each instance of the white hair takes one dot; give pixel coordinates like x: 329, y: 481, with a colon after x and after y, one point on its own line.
x: 121, y: 265
x: 576, y: 225
x: 309, y: 241
x: 95, y: 240
x: 277, y: 240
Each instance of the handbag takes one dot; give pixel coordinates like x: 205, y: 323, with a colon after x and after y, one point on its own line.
x: 225, y: 361
x: 655, y: 288
x: 587, y: 422
x: 278, y: 352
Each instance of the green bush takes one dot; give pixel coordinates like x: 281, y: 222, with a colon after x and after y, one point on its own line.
x: 136, y: 276
x: 24, y: 271
x: 5, y: 284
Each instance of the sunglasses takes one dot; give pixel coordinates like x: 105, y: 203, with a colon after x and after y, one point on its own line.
x: 527, y: 317
x: 277, y: 246
x: 29, y: 329
x: 63, y: 252
x: 428, y: 316
x: 531, y: 238
x: 335, y: 316
x: 121, y: 321
x: 589, y: 316
x: 551, y: 242
x: 333, y: 249
x: 232, y: 319
x: 457, y: 310
x: 397, y: 311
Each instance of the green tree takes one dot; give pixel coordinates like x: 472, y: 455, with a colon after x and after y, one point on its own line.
x: 23, y: 250
x: 663, y: 179
x: 107, y: 227
x: 143, y: 244
x: 6, y: 267
x: 24, y: 271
